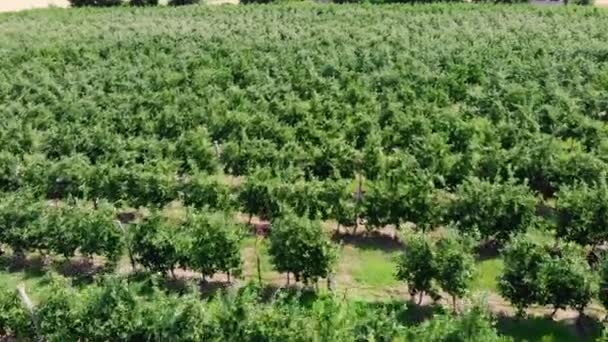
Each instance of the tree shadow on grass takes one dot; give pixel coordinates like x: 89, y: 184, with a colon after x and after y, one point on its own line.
x: 487, y: 250
x: 32, y: 266
x: 546, y: 329
x: 369, y: 240
x: 146, y: 283
x: 305, y: 296
x: 408, y: 313
x: 212, y: 288
x: 80, y: 271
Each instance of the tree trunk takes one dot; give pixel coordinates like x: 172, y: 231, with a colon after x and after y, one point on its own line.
x: 228, y: 276
x: 46, y: 259
x: 330, y: 283
x: 454, y: 304
x: 520, y: 312
x: 287, y: 278
x: 131, y: 260
x: 579, y: 319
x: 257, y: 260
x: 19, y: 255
x: 172, y: 270
x: 338, y: 228
x: 259, y: 268
x: 359, y: 188
x: 359, y: 192
x: 128, y: 245
x: 554, y: 312
x: 420, y: 297
x: 249, y: 221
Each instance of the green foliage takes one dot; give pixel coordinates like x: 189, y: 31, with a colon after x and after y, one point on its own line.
x: 200, y: 191
x: 455, y: 265
x: 328, y: 93
x: 99, y: 233
x: 405, y: 194
x: 212, y: 243
x: 155, y: 243
x: 14, y: 318
x: 257, y: 195
x: 59, y: 226
x: 69, y: 176
x: 29, y: 224
x: 195, y: 151
x: 58, y: 315
x: 603, y: 283
x: 299, y: 246
x: 474, y: 325
x: 20, y: 214
x: 583, y: 213
x: 73, y: 227
x: 567, y: 279
x: 304, y: 198
x: 338, y: 202
x: 417, y: 266
x: 107, y: 127
x: 519, y: 282
x: 153, y: 184
x: 494, y: 209
x: 111, y: 310
x: 9, y: 171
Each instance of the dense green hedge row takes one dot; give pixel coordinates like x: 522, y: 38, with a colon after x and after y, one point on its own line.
x: 113, y: 311
x: 148, y: 106
x: 357, y: 91
x: 205, y: 242
x: 202, y: 241
x: 558, y: 275
x: 487, y: 210
x: 329, y: 91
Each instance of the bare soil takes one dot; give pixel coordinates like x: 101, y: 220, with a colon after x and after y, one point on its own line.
x: 18, y: 5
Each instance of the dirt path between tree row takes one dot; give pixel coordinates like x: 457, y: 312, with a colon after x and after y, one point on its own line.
x: 18, y: 5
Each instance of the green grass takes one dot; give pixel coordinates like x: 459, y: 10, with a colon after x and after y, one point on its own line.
x: 374, y: 268
x: 248, y: 251
x: 10, y: 280
x: 487, y: 274
x: 31, y: 277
